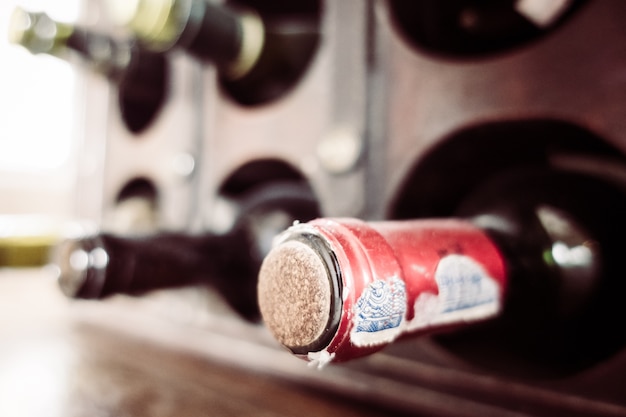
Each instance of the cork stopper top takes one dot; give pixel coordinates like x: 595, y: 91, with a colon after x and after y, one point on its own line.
x: 295, y: 294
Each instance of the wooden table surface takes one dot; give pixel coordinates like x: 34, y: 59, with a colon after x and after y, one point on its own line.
x: 50, y: 366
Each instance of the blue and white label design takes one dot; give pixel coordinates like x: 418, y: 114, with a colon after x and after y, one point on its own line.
x: 379, y: 313
x: 466, y: 293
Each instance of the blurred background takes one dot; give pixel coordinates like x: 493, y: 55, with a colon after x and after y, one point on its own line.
x: 38, y: 158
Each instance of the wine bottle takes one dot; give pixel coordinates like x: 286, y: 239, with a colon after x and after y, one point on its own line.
x: 140, y: 75
x: 100, y: 265
x: 97, y: 265
x: 258, y: 57
x: 537, y: 253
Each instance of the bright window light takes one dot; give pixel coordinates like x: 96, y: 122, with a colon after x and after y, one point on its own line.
x: 36, y: 98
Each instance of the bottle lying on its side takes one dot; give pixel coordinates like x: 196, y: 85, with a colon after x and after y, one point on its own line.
x: 536, y: 256
x: 257, y: 57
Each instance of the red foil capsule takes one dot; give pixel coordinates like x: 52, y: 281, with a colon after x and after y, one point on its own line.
x: 338, y: 289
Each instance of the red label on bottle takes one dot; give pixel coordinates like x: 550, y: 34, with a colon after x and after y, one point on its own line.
x: 409, y: 277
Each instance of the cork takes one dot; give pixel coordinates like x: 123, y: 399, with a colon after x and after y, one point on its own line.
x: 295, y: 294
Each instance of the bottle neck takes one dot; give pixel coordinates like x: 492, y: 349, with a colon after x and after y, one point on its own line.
x: 40, y: 34
x: 101, y: 265
x: 101, y: 53
x: 235, y: 40
x: 230, y: 39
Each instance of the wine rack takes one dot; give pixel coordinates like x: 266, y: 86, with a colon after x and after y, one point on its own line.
x: 376, y: 127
